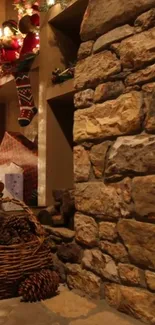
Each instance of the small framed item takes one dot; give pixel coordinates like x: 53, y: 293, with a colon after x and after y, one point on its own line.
x: 13, y: 179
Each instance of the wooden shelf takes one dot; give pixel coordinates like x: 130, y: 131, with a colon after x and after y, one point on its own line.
x: 70, y: 18
x: 7, y: 86
x: 6, y: 79
x: 60, y: 91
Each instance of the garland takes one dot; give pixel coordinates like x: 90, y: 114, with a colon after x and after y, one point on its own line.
x: 22, y: 6
x: 45, y: 7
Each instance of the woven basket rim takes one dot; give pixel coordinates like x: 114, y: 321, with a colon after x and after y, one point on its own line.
x: 22, y: 244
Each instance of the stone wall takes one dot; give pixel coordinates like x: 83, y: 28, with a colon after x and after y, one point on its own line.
x: 114, y: 156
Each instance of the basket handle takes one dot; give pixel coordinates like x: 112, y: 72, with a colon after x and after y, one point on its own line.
x: 31, y: 215
x: 17, y: 202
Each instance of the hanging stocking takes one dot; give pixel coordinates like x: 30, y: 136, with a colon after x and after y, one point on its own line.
x: 25, y: 97
x: 27, y: 26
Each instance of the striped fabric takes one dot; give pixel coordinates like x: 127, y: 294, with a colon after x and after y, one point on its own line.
x: 24, y: 91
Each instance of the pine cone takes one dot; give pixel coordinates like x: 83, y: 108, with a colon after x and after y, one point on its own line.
x: 28, y: 237
x: 5, y: 237
x: 18, y: 223
x: 16, y: 229
x: 19, y: 228
x: 39, y: 286
x: 14, y: 241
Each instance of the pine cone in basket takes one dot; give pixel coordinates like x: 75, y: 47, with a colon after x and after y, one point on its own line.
x: 39, y: 286
x: 5, y: 237
x: 18, y: 223
x: 20, y: 228
x: 27, y: 237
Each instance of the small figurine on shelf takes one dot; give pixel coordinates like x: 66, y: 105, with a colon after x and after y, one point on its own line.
x: 59, y: 76
x: 9, y: 46
x: 28, y: 25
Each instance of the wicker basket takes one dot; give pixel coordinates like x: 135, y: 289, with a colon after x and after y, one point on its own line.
x: 20, y: 260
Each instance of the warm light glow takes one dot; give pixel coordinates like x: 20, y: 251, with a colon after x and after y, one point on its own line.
x: 20, y: 11
x: 7, y: 31
x: 1, y: 33
x: 29, y: 11
x: 20, y: 42
x: 50, y: 2
x: 37, y: 36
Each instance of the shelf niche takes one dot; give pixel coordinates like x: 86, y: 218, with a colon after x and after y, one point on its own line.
x: 69, y: 20
x: 66, y: 26
x: 61, y: 142
x: 60, y: 38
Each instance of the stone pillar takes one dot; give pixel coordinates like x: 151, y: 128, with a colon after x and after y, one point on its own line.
x: 114, y: 155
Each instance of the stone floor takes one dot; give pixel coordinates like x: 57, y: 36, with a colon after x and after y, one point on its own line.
x: 67, y: 308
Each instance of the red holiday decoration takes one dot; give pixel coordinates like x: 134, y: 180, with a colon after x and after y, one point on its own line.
x: 27, y: 25
x: 10, y: 52
x: 31, y: 41
x: 9, y: 46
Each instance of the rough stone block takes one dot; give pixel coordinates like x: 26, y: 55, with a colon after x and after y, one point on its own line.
x: 102, y: 15
x: 114, y: 35
x: 150, y: 280
x: 81, y: 164
x: 83, y: 280
x: 131, y: 88
x: 85, y: 49
x: 130, y: 155
x: 95, y: 69
x: 101, y: 264
x: 84, y: 99
x: 71, y: 253
x: 86, y: 230
x: 141, y: 77
x: 107, y: 201
x: 120, y: 76
x: 108, y: 90
x: 149, y: 99
x: 116, y: 250
x: 133, y: 301
x: 107, y: 230
x: 60, y: 233
x: 143, y: 195
x: 138, y: 237
x: 149, y: 87
x: 98, y: 157
x: 138, y: 50
x: 131, y: 275
x: 145, y: 20
x: 116, y: 117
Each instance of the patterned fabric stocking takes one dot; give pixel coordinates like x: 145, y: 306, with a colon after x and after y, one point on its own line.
x: 25, y: 97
